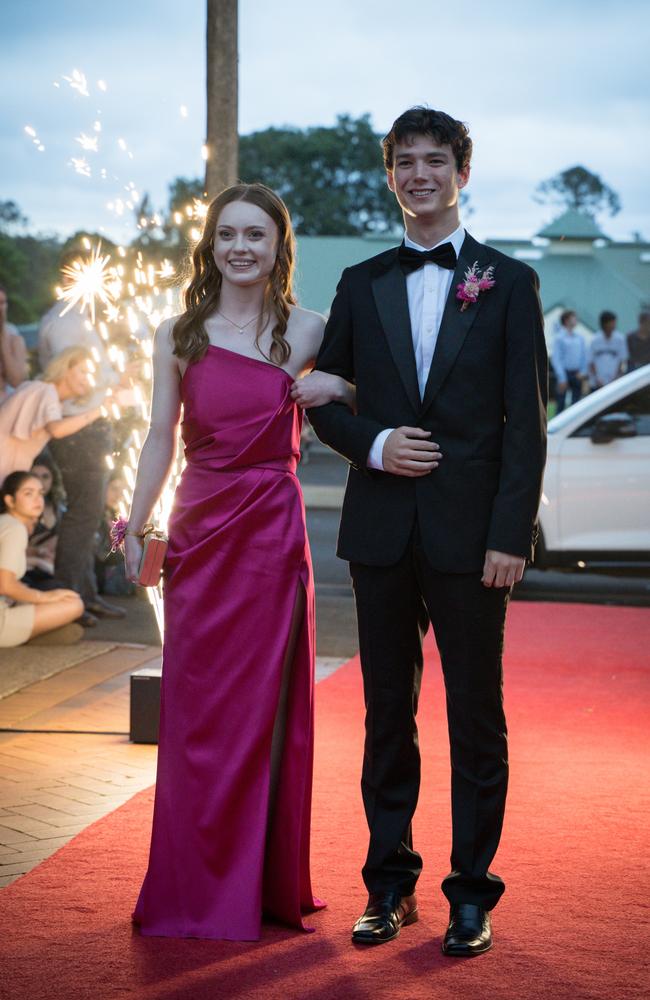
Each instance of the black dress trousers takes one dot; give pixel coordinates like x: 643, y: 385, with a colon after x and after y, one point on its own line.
x: 394, y: 606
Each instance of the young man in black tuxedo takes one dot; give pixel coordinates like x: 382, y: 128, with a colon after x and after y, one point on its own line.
x: 447, y: 450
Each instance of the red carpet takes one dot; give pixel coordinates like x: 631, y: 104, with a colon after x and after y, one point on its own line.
x: 575, y: 919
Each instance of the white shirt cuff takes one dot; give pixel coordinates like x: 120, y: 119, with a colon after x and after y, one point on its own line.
x: 375, y: 460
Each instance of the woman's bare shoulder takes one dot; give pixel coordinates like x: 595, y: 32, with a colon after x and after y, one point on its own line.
x: 163, y: 336
x: 307, y: 320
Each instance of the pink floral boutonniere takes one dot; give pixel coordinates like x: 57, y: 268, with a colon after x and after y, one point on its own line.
x: 475, y: 282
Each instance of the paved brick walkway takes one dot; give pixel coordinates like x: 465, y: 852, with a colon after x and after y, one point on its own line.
x: 73, y: 763
x: 78, y: 766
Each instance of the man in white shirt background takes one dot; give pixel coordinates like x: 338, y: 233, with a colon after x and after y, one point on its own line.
x: 569, y: 359
x: 608, y: 353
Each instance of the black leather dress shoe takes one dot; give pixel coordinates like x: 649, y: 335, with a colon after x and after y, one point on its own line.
x: 102, y: 609
x: 386, y: 913
x: 469, y: 932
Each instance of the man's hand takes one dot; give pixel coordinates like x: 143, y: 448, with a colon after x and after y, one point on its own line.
x: 501, y: 569
x: 407, y: 452
x: 562, y: 386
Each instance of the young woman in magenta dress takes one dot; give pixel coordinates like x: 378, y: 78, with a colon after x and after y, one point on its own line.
x: 230, y: 838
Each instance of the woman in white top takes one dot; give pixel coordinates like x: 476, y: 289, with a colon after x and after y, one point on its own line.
x: 25, y: 612
x: 32, y: 414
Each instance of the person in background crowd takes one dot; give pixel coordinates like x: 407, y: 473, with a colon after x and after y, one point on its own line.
x: 41, y: 550
x: 638, y: 343
x: 569, y: 360
x: 109, y: 566
x: 82, y: 460
x: 608, y: 352
x: 25, y: 612
x: 13, y: 352
x: 32, y: 415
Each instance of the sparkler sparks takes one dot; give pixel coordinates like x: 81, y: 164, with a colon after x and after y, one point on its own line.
x: 81, y: 165
x: 88, y: 142
x: 78, y: 82
x: 126, y: 300
x: 85, y: 282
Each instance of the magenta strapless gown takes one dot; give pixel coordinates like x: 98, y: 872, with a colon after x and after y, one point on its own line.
x: 238, y: 553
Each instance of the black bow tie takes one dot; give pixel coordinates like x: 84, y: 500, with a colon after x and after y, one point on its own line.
x: 411, y: 260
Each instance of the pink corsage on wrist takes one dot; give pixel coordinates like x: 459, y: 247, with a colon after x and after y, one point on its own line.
x: 475, y: 282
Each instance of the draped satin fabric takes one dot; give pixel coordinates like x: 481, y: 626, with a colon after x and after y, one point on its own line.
x: 238, y: 554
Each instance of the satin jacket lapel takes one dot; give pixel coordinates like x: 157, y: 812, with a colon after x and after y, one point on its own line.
x: 455, y: 323
x: 389, y: 290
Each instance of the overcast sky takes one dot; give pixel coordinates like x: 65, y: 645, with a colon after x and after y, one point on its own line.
x: 542, y: 85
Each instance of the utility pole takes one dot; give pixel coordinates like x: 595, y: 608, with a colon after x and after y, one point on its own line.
x: 221, y: 168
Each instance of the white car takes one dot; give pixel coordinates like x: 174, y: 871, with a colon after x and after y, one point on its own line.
x: 595, y: 509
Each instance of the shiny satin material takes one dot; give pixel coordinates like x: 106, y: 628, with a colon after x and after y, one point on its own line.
x: 238, y: 553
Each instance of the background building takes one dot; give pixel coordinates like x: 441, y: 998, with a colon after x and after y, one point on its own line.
x: 579, y: 267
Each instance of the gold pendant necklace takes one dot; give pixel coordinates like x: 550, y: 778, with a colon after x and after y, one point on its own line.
x: 240, y: 329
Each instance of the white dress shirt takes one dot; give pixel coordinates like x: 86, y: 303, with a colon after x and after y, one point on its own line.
x: 569, y: 354
x: 427, y: 290
x: 608, y: 356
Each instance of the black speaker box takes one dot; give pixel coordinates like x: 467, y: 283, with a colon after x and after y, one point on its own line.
x: 145, y: 704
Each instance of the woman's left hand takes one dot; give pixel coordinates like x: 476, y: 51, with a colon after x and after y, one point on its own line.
x: 132, y: 556
x: 317, y: 389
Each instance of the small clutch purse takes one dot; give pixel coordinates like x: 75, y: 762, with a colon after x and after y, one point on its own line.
x: 154, y: 550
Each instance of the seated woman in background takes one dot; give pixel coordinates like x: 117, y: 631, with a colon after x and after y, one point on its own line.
x: 32, y: 414
x: 41, y: 550
x: 25, y: 612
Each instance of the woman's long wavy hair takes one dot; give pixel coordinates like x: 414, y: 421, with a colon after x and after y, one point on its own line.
x: 201, y: 297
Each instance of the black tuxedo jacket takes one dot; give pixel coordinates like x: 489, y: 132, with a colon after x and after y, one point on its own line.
x: 485, y: 404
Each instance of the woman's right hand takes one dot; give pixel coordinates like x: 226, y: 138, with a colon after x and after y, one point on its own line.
x: 132, y: 556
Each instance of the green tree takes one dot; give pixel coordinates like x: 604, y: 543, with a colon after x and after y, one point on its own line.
x: 28, y: 266
x: 14, y: 268
x: 580, y: 189
x: 332, y: 178
x: 42, y: 276
x: 11, y: 216
x: 178, y: 225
